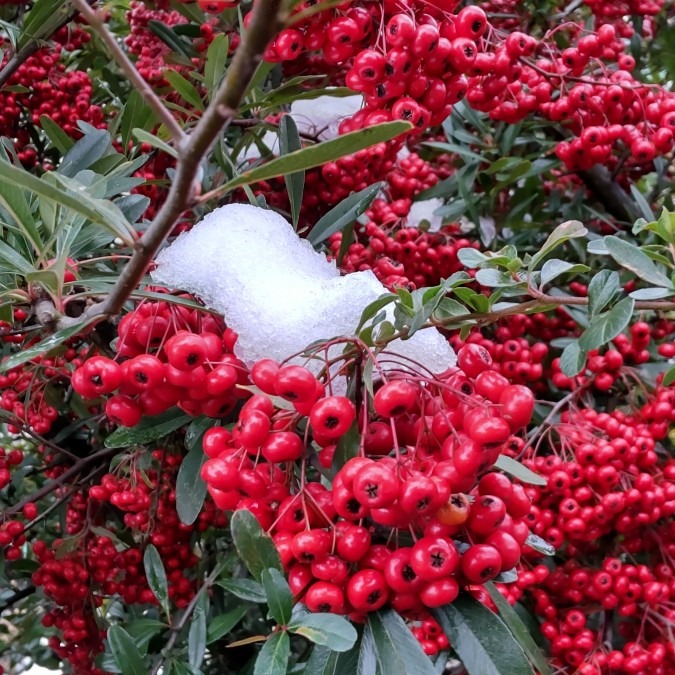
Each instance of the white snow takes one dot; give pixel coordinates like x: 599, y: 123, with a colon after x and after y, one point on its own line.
x: 320, y: 116
x: 275, y: 291
x: 424, y: 210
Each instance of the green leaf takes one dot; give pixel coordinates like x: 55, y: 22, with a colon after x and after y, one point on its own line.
x: 278, y: 594
x: 347, y: 447
x: 190, y: 486
x: 223, y: 623
x: 246, y: 589
x: 156, y: 576
x: 146, y: 137
x: 125, y: 652
x: 520, y: 471
x: 519, y: 630
x: 149, y: 429
x: 642, y: 203
x: 572, y: 359
x: 325, y: 661
x: 216, y: 59
x: 289, y: 141
x: 460, y: 150
x: 329, y: 630
x: 171, y: 39
x: 197, y: 633
x: 273, y: 657
x: 143, y: 630
x: 345, y: 213
x: 481, y: 639
x: 186, y: 90
x: 554, y: 268
x: 44, y: 346
x: 632, y: 258
x: 315, y: 155
x: 602, y: 289
x: 652, y: 293
x: 98, y: 211
x: 534, y: 541
x: 669, y: 377
x: 136, y: 114
x: 607, y: 326
x: 43, y: 19
x: 398, y: 652
x: 90, y: 148
x: 59, y: 138
x: 16, y: 263
x: 256, y: 549
x: 570, y: 230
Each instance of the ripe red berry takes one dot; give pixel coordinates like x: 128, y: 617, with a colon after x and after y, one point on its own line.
x: 395, y: 398
x: 331, y: 417
x: 480, y: 563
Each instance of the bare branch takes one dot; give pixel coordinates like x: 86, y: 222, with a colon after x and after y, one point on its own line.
x: 97, y: 22
x: 268, y: 19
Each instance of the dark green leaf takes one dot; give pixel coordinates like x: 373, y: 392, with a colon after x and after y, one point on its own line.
x: 43, y: 19
x: 347, y: 447
x: 136, y: 114
x: 60, y: 139
x: 324, y: 661
x: 246, y: 589
x: 521, y: 472
x: 186, y: 90
x: 373, y: 308
x: 143, y: 630
x: 632, y: 258
x: 480, y: 638
x: 146, y: 137
x: 278, y: 594
x: 345, y: 213
x: 256, y: 549
x: 572, y: 359
x: 642, y: 203
x: 15, y: 262
x: 519, y: 630
x: 669, y: 377
x: 607, y: 326
x: 149, y: 429
x: 273, y: 657
x: 602, y: 288
x: 329, y: 630
x: 569, y: 230
x: 398, y: 652
x: 197, y: 634
x: 455, y: 149
x: 190, y: 487
x: 289, y: 141
x: 90, y: 148
x: 222, y: 624
x: 125, y: 652
x: 156, y: 576
x: 44, y: 346
x: 171, y: 39
x: 315, y: 155
x: 214, y: 67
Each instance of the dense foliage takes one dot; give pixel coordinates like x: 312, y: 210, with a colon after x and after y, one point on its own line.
x: 497, y: 175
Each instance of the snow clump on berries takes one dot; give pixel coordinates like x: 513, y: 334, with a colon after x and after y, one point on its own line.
x: 276, y: 292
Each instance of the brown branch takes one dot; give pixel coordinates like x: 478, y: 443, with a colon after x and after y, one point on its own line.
x: 268, y: 19
x: 97, y: 22
x: 609, y: 193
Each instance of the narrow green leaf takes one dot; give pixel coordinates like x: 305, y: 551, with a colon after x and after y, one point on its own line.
x: 98, y: 211
x: 171, y: 39
x: 16, y: 263
x: 519, y: 630
x: 245, y: 589
x: 632, y: 258
x: 601, y: 290
x: 570, y: 230
x: 273, y: 657
x: 642, y: 203
x: 345, y: 213
x: 125, y: 652
x: 315, y: 155
x: 197, y: 633
x: 146, y: 137
x: 90, y: 148
x: 59, y: 138
x: 156, y: 576
x: 256, y: 549
x: 44, y: 346
x: 278, y: 594
x: 521, y: 472
x: 398, y: 652
x: 43, y: 19
x: 669, y: 377
x: 185, y: 89
x: 289, y: 141
x: 540, y: 545
x: 190, y: 486
x: 325, y: 661
x: 481, y: 639
x: 572, y: 359
x: 329, y: 630
x: 652, y: 293
x: 216, y: 59
x: 136, y: 114
x: 607, y: 326
x: 347, y: 447
x: 453, y: 148
x: 150, y: 429
x: 222, y: 624
x: 143, y: 630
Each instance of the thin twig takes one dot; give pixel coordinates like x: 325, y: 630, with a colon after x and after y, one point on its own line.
x: 268, y: 19
x: 97, y: 22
